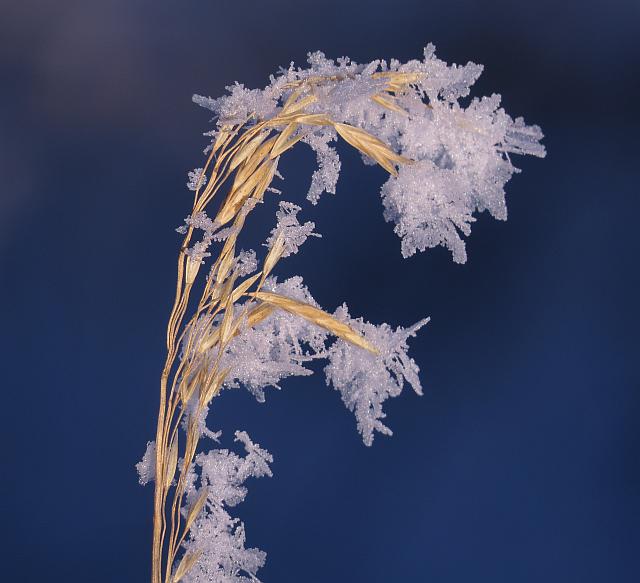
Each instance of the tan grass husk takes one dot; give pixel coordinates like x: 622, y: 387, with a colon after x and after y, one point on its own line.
x: 312, y: 119
x: 172, y: 462
x: 252, y: 162
x: 388, y: 103
x: 318, y: 317
x: 265, y: 180
x: 295, y: 106
x: 195, y: 510
x: 225, y: 327
x: 280, y: 145
x: 240, y: 290
x: 255, y: 184
x: 191, y: 444
x: 224, y: 135
x: 226, y: 263
x: 371, y: 146
x: 188, y: 388
x: 259, y: 314
x: 292, y: 98
x: 186, y: 564
x: 247, y: 150
x: 191, y: 270
x: 273, y: 256
x: 213, y: 388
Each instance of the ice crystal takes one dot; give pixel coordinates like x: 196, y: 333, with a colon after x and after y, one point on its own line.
x: 216, y: 534
x: 276, y: 348
x: 365, y: 380
x: 461, y: 154
x: 325, y: 178
x: 294, y: 234
x: 146, y: 467
x: 246, y: 262
x: 200, y: 221
x: 281, y: 346
x: 197, y: 179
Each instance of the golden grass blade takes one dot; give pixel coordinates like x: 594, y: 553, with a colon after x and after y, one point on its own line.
x: 265, y: 179
x: 186, y: 564
x: 238, y: 196
x: 191, y: 444
x: 388, y: 103
x: 292, y: 142
x: 210, y: 341
x: 398, y: 77
x: 276, y: 251
x: 292, y: 98
x: 280, y: 144
x: 227, y: 287
x: 221, y: 291
x: 195, y: 510
x: 225, y: 327
x: 318, y: 317
x: 232, y: 296
x: 224, y: 134
x: 292, y: 107
x: 371, y: 146
x: 312, y: 119
x: 359, y: 138
x: 383, y: 161
x: 188, y: 388
x: 211, y: 390
x: 226, y: 263
x: 237, y: 293
x: 259, y: 314
x: 191, y: 270
x: 172, y: 462
x: 251, y: 163
x: 246, y: 150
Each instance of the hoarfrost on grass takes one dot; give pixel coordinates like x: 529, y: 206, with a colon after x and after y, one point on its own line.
x: 283, y: 344
x: 456, y: 163
x: 277, y: 348
x: 365, y: 381
x: 461, y: 153
x: 325, y: 178
x: 197, y: 179
x: 146, y: 467
x: 294, y: 234
x: 219, y: 537
x: 246, y: 263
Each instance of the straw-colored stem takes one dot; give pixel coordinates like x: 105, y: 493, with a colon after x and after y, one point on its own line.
x: 250, y: 154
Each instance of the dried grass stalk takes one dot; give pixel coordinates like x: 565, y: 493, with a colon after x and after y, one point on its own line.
x: 244, y: 159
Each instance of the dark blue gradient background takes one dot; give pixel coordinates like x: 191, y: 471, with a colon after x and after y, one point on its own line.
x: 521, y: 462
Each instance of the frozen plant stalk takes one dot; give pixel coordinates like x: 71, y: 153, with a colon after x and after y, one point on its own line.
x: 445, y: 162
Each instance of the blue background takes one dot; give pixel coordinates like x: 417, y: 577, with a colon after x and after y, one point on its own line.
x: 520, y: 463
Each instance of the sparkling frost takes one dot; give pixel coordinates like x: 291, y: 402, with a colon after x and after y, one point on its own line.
x: 460, y: 153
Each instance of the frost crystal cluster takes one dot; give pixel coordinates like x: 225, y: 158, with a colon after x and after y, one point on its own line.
x: 448, y: 158
x: 217, y: 536
x: 460, y: 154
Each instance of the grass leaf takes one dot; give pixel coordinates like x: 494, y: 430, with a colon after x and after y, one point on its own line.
x: 318, y: 317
